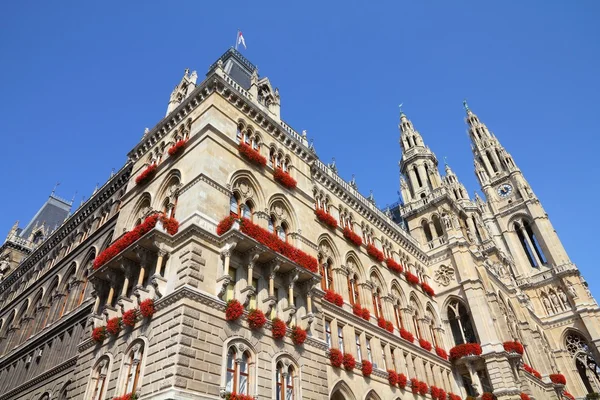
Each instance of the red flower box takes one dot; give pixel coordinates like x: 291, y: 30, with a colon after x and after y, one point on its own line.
x: 367, y: 368
x: 113, y: 326
x: 278, y: 329
x: 569, y: 395
x: 389, y: 326
x: 357, y: 309
x: 236, y: 396
x: 381, y: 322
x: 423, y: 388
x: 465, y: 349
x: 99, y: 334
x: 234, y: 310
x: 402, y: 381
x: 146, y: 175
x: 225, y: 224
x: 177, y: 148
x: 298, y: 335
x: 375, y: 253
x: 488, y: 396
x: 171, y: 225
x: 438, y: 393
x: 393, y: 265
x: 131, y: 237
x: 128, y: 396
x: 414, y: 385
x: 256, y: 319
x: 284, y: 178
x: 558, y: 379
x: 252, y: 155
x: 513, y: 347
x: 412, y: 278
x: 532, y: 371
x: 427, y: 289
x: 279, y: 246
x: 425, y: 344
x: 453, y: 396
x: 129, y: 317
x: 326, y: 218
x: 333, y: 297
x: 392, y: 377
x: 349, y: 362
x: 441, y: 353
x: 406, y: 335
x: 366, y: 315
x: 336, y: 357
x: 525, y: 396
x: 147, y: 308
x: 352, y: 237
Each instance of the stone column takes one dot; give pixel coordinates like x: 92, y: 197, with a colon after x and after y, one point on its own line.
x: 411, y: 367
x: 159, y: 260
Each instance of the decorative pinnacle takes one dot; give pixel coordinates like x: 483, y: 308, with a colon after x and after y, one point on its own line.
x: 465, y: 105
x: 400, y: 107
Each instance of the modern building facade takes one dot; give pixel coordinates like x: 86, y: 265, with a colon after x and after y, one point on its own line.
x: 263, y: 221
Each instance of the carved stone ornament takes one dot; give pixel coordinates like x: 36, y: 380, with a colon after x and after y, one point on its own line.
x: 444, y: 275
x: 244, y: 188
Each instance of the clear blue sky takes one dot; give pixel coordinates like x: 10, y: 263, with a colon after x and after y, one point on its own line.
x: 80, y: 80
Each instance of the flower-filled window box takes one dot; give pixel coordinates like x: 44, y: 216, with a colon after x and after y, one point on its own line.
x: 437, y: 393
x: 402, y: 381
x: 113, y: 326
x: 452, y: 396
x: 387, y: 325
x: 177, y: 148
x: 375, y: 253
x: 392, y: 377
x: 362, y: 312
x: 333, y: 297
x: 423, y: 388
x: 170, y: 224
x: 568, y: 395
x: 366, y: 368
x: 532, y: 371
x: 252, y: 155
x: 465, y: 349
x: 406, y: 335
x: 234, y: 310
x: 336, y: 358
x: 99, y: 334
x: 558, y: 379
x: 425, y: 344
x: 488, y: 396
x: 129, y: 318
x: 284, y: 178
x: 237, y: 396
x: 278, y: 329
x: 525, y: 396
x: 298, y: 335
x: 427, y: 289
x: 393, y: 265
x: 128, y: 396
x: 513, y: 347
x: 326, y: 218
x: 349, y: 362
x: 441, y: 353
x: 412, y: 278
x: 256, y: 319
x: 146, y: 175
x: 352, y: 237
x: 147, y: 309
x: 225, y: 224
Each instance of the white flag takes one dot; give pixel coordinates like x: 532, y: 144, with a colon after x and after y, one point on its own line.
x: 241, y: 39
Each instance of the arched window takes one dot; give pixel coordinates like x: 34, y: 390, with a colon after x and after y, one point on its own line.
x: 398, y: 316
x: 437, y: 225
x: 426, y: 231
x: 282, y: 232
x: 271, y: 225
x: 132, y: 367
x: 285, y: 377
x: 99, y: 380
x: 64, y: 392
x: 460, y: 323
x: 530, y: 244
x: 239, y: 134
x: 353, y: 293
x: 237, y: 375
x: 239, y: 209
x: 585, y: 361
x: 326, y: 272
x: 49, y: 303
x: 377, y: 305
x: 67, y: 291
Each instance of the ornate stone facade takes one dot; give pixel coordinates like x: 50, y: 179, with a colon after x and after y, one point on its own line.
x: 440, y: 267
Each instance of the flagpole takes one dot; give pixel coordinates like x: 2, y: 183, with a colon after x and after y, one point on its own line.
x: 236, y: 39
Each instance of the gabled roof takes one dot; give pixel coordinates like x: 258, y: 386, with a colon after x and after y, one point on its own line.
x: 52, y: 214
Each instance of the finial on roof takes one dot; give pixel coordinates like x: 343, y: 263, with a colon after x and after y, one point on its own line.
x: 112, y: 172
x: 371, y: 197
x: 465, y: 105
x: 187, y: 71
x: 311, y: 147
x: 332, y: 165
x: 304, y: 133
x: 353, y: 182
x: 54, y: 189
x: 400, y: 107
x: 73, y: 199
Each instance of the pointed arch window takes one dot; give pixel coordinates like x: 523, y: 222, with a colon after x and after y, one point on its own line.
x: 99, y: 379
x: 377, y: 305
x: 237, y: 375
x: 132, y: 367
x: 398, y: 316
x: 285, y: 375
x: 460, y: 323
x: 353, y: 292
x: 326, y: 272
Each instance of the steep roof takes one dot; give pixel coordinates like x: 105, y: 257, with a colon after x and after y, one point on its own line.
x: 52, y: 213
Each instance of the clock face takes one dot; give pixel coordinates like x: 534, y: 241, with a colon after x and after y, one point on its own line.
x: 505, y: 190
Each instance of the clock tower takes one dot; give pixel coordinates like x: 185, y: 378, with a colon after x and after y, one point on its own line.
x: 519, y: 220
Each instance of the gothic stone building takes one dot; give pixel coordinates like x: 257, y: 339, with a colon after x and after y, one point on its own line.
x: 492, y: 272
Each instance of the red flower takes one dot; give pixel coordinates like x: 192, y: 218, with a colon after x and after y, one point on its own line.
x: 234, y: 310
x: 402, y: 381
x: 252, y: 155
x: 453, y: 396
x: 381, y: 322
x: 326, y: 218
x: 284, y: 178
x: 513, y: 347
x: 336, y: 357
x: 171, y: 225
x: 146, y: 175
x: 442, y: 395
x: 366, y: 315
x: 278, y: 329
x: 274, y: 243
x: 129, y: 317
x: 427, y: 289
x: 532, y: 371
x: 333, y: 297
x: 425, y: 344
x: 441, y: 353
x: 569, y: 395
x: 236, y: 396
x: 389, y: 326
x: 488, y: 396
x: 256, y: 319
x: 465, y: 349
x: 99, y: 334
x: 367, y: 368
x: 352, y: 237
x: 177, y: 148
x: 393, y: 265
x: 349, y: 362
x: 525, y: 396
x: 559, y: 379
x: 435, y: 392
x: 406, y: 335
x: 414, y: 385
x: 375, y: 253
x: 113, y: 326
x: 412, y: 278
x: 298, y: 335
x: 423, y: 388
x: 225, y: 224
x: 392, y: 377
x: 357, y: 309
x: 128, y: 396
x: 147, y: 308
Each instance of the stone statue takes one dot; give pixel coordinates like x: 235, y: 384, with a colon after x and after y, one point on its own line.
x: 555, y: 301
x: 547, y: 305
x: 571, y: 289
x: 563, y: 298
x: 446, y: 220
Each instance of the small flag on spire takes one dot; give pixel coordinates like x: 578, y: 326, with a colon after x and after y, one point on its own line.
x: 240, y: 40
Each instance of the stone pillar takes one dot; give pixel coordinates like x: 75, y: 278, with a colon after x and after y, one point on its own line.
x: 159, y: 261
x: 411, y: 367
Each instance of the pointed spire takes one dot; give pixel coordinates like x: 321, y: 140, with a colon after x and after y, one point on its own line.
x: 466, y: 107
